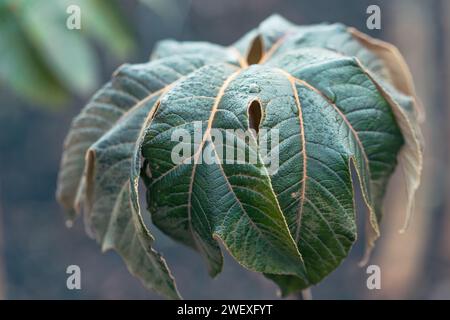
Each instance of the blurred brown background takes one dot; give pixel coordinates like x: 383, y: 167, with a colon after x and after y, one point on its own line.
x: 46, y: 75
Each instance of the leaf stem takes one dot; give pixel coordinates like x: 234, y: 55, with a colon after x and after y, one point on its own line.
x: 304, y: 295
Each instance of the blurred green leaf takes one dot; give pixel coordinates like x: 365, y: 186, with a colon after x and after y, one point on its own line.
x: 21, y: 68
x: 103, y: 21
x: 66, y: 53
x: 43, y: 61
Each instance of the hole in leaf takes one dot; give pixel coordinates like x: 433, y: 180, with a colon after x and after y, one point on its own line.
x: 256, y: 51
x: 254, y: 115
x: 146, y: 173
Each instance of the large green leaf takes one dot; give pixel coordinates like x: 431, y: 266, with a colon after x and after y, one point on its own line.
x: 107, y: 135
x: 339, y: 102
x: 204, y: 201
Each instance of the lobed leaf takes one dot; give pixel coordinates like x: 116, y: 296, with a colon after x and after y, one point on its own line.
x: 341, y: 102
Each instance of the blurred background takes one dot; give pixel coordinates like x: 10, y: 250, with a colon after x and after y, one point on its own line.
x: 48, y: 72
